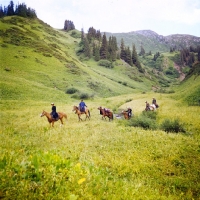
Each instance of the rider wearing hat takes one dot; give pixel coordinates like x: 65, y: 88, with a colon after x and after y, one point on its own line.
x: 54, y: 114
x: 147, y: 106
x: 129, y: 111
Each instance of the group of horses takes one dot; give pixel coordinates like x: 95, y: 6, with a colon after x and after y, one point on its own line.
x: 106, y: 114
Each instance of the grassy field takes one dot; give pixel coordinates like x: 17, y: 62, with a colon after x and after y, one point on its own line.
x: 98, y: 159
x: 93, y: 159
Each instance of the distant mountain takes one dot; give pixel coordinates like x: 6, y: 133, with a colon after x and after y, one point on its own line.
x: 151, y: 41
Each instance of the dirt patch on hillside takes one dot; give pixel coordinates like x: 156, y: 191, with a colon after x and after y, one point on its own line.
x: 178, y: 68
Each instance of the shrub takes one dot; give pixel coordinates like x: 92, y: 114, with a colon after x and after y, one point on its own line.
x: 143, y: 121
x: 149, y: 114
x: 71, y: 90
x: 84, y: 96
x: 81, y: 96
x: 105, y: 63
x: 172, y: 126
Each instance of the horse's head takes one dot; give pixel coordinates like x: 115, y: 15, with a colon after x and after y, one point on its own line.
x: 99, y: 108
x: 43, y: 114
x: 75, y: 108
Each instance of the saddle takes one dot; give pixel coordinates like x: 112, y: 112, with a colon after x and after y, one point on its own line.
x: 82, y: 109
x: 107, y: 110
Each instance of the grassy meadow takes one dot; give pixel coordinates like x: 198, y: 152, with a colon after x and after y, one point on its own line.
x: 93, y: 159
x: 98, y: 159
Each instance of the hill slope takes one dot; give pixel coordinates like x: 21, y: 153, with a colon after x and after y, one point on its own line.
x: 40, y: 59
x: 154, y: 42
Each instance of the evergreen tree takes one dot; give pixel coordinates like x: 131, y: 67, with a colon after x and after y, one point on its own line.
x: 134, y: 55
x: 10, y: 9
x: 104, y: 48
x: 122, y: 50
x: 21, y: 10
x: 82, y: 34
x: 69, y: 25
x: 112, y: 48
x: 98, y: 35
x: 191, y: 59
x: 97, y: 54
x: 142, y: 51
x: 86, y: 47
x: 198, y: 51
x: 128, y: 56
x: 1, y: 12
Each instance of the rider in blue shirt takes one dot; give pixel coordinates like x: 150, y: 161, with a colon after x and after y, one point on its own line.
x: 82, y: 106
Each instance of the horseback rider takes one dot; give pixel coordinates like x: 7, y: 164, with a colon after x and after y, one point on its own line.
x: 129, y: 111
x: 154, y: 102
x: 54, y: 114
x: 82, y: 106
x: 147, y: 106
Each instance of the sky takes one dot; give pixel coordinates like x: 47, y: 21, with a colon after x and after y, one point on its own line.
x: 165, y: 17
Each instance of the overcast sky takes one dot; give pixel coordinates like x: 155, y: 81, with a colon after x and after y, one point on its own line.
x: 165, y: 17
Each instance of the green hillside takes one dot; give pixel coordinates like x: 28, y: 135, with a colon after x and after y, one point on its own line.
x: 41, y: 59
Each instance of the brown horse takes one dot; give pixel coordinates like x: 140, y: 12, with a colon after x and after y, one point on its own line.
x: 52, y: 120
x: 106, y: 113
x: 79, y: 113
x: 126, y: 115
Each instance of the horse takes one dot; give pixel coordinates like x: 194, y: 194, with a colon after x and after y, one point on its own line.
x: 126, y: 114
x: 106, y: 113
x: 52, y: 120
x: 152, y: 107
x: 79, y: 113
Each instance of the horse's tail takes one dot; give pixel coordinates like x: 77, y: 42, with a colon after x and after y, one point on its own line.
x: 111, y: 116
x: 89, y: 113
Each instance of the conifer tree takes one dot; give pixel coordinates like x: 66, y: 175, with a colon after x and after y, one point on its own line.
x: 10, y: 9
x: 134, y: 55
x: 97, y: 54
x: 142, y: 51
x: 122, y: 50
x: 86, y: 47
x: 128, y: 56
x: 1, y: 12
x: 104, y: 48
x: 98, y: 35
x: 82, y: 34
x: 112, y: 48
x: 198, y: 51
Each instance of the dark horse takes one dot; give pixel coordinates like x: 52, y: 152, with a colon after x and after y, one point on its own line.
x: 106, y: 113
x: 79, y: 113
x: 52, y: 120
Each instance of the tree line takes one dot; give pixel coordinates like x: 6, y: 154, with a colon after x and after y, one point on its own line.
x: 187, y: 55
x: 19, y: 10
x: 97, y: 45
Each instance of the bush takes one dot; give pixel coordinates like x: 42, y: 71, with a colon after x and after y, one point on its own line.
x: 105, y: 63
x: 81, y: 96
x: 143, y: 121
x: 71, y: 90
x: 173, y: 126
x: 149, y: 114
x: 84, y: 96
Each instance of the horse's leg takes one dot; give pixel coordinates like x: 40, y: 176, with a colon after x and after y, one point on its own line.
x: 61, y: 122
x: 79, y: 116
